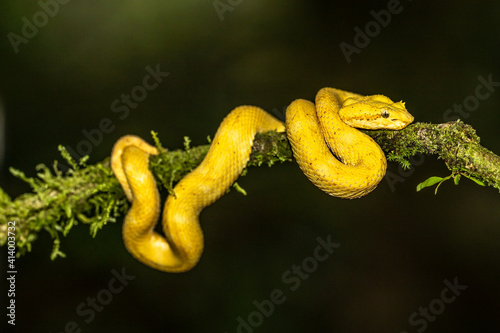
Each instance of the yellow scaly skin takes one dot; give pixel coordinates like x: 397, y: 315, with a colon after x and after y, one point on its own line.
x: 224, y: 162
x: 312, y: 131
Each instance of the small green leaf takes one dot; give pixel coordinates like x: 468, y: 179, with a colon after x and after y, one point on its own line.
x: 68, y: 226
x: 239, y: 188
x: 55, y: 250
x: 157, y: 141
x: 456, y: 179
x: 430, y: 181
x: 477, y: 181
x: 67, y: 156
x: 83, y: 160
x: 187, y: 143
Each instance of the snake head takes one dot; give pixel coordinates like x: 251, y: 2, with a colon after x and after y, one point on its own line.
x: 375, y: 112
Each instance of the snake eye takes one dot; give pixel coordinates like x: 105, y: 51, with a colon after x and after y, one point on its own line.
x: 385, y: 114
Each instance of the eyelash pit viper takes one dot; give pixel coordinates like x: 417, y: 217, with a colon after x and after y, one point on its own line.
x: 336, y: 157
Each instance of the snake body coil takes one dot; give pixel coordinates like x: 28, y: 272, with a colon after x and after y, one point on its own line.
x: 314, y: 131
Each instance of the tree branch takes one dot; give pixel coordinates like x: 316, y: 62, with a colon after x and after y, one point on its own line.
x: 455, y: 142
x: 90, y: 194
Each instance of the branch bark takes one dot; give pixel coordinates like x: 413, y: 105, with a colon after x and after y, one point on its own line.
x: 90, y: 194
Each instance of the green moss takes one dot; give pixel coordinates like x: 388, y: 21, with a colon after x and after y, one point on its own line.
x: 270, y: 148
x: 169, y: 167
x: 88, y: 194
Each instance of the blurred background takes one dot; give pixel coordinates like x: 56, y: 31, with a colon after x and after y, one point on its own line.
x: 65, y: 68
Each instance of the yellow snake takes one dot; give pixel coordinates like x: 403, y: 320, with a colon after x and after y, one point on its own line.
x: 354, y: 169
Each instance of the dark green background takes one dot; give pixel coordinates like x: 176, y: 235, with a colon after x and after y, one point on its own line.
x: 397, y: 246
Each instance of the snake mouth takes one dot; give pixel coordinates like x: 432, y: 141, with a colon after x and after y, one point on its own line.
x: 397, y: 124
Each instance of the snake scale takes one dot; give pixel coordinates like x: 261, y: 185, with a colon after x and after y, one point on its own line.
x: 332, y: 153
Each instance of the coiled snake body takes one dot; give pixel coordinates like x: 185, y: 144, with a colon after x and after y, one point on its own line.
x: 314, y: 131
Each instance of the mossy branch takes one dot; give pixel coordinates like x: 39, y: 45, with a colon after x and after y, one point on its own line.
x: 456, y: 143
x: 90, y: 194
